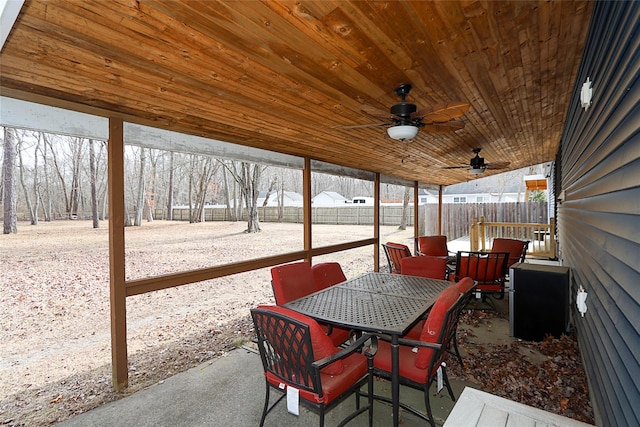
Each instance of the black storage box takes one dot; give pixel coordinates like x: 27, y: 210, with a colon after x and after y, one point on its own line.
x: 538, y: 301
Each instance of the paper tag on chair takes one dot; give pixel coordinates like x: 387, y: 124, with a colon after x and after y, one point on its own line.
x: 293, y: 400
x: 439, y: 377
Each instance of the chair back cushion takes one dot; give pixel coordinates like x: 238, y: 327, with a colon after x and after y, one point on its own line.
x: 292, y: 281
x: 433, y: 245
x: 327, y: 274
x: 433, y: 327
x: 465, y: 285
x: 424, y: 266
x: 320, y: 342
x: 517, y: 249
x: 488, y: 269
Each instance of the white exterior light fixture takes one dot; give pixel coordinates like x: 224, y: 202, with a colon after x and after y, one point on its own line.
x: 402, y: 132
x: 585, y: 94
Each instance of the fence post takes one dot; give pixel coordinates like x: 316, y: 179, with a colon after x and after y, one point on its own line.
x: 473, y: 234
x: 482, y: 233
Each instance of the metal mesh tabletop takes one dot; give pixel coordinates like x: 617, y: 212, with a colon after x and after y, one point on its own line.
x: 398, y: 284
x: 374, y: 302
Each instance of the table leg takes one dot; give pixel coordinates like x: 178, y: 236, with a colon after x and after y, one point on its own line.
x: 395, y: 379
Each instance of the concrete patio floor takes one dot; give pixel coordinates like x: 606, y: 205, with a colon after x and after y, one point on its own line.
x: 229, y: 392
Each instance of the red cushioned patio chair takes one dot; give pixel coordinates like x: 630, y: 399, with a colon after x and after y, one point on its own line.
x: 517, y: 249
x: 296, y: 280
x: 424, y: 266
x: 327, y: 274
x: 296, y: 353
x: 419, y: 368
x: 395, y: 252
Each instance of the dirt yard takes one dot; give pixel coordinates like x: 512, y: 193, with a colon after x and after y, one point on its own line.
x: 55, y: 350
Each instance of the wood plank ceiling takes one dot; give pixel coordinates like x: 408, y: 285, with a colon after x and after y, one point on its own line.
x: 286, y: 75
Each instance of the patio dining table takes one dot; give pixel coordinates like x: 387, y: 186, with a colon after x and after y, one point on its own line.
x: 379, y: 303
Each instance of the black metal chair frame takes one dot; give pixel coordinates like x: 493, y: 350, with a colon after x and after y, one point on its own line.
x: 441, y: 349
x: 283, y: 361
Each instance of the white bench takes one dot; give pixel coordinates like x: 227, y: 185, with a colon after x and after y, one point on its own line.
x: 477, y: 408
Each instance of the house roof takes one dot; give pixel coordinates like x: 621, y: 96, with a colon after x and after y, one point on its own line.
x: 333, y: 195
x: 290, y: 76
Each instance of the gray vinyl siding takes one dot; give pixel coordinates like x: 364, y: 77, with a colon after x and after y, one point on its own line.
x: 598, y: 171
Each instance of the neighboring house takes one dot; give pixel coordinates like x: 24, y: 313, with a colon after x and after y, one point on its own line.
x: 329, y: 198
x: 501, y: 188
x: 291, y: 198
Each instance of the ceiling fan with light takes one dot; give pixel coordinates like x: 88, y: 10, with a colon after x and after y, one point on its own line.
x: 477, y: 164
x: 404, y: 119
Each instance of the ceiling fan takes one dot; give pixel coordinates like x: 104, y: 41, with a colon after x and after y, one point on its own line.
x: 477, y: 165
x: 404, y: 119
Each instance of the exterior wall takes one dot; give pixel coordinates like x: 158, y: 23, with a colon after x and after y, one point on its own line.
x: 598, y: 185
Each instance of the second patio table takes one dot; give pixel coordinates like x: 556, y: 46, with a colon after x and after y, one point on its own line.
x: 379, y: 303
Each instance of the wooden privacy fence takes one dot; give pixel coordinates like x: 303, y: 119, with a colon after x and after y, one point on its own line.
x: 456, y: 217
x: 345, y: 215
x: 541, y: 237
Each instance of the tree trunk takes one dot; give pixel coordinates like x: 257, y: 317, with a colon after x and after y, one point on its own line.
x: 150, y: 194
x: 405, y: 208
x: 281, y: 201
x: 140, y: 199
x: 227, y: 196
x: 60, y: 175
x: 253, y: 182
x: 27, y: 197
x: 75, y: 178
x: 47, y: 205
x: 170, y: 189
x: 10, y: 219
x: 93, y: 178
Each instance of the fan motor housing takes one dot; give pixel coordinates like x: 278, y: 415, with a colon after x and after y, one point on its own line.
x: 477, y: 162
x: 403, y: 109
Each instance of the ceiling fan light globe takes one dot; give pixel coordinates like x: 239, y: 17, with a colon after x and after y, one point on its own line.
x: 476, y: 171
x: 402, y: 132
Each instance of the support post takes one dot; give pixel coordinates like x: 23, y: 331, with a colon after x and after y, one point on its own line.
x: 416, y: 217
x: 376, y: 222
x: 118, y: 292
x: 306, y: 195
x: 440, y: 210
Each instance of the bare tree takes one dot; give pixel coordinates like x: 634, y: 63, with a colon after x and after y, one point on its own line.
x: 45, y: 195
x: 248, y: 175
x: 170, y: 188
x: 202, y: 171
x: 140, y: 197
x: 10, y: 219
x: 32, y: 206
x: 405, y: 209
x: 272, y: 186
x: 93, y: 178
x: 231, y: 212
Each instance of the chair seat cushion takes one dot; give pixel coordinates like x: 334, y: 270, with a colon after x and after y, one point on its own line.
x: 407, y: 365
x: 354, y: 368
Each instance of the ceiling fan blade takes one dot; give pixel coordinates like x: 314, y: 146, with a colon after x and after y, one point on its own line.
x: 443, y: 127
x: 455, y: 167
x: 370, y: 125
x: 441, y: 113
x: 375, y: 112
x: 497, y: 165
